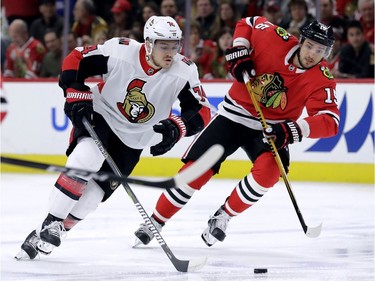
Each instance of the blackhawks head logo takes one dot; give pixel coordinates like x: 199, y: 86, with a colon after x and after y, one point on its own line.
x: 270, y: 91
x: 135, y: 107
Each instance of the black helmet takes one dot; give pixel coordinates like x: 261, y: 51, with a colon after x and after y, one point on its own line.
x: 318, y: 32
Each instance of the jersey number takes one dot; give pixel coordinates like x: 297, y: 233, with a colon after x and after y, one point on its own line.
x: 331, y: 95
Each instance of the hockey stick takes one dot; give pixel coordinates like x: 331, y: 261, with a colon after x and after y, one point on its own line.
x: 311, y: 232
x: 180, y: 265
x: 207, y: 160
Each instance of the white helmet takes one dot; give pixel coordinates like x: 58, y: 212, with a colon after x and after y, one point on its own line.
x: 161, y: 28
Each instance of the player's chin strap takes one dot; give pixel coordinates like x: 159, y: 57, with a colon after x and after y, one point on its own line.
x: 311, y: 232
x: 180, y: 265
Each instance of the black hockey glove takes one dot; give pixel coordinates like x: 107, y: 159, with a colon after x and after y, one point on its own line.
x: 172, y: 130
x: 238, y: 59
x: 284, y: 133
x: 78, y: 104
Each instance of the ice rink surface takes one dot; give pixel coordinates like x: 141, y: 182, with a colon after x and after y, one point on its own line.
x: 268, y: 235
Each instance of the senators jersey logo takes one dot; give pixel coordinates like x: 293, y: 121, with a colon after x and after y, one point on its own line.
x: 270, y: 91
x: 135, y: 106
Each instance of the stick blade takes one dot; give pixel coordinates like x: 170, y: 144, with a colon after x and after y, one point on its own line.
x: 196, y: 264
x: 313, y: 232
x: 202, y: 165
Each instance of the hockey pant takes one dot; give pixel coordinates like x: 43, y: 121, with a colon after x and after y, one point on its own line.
x: 264, y: 173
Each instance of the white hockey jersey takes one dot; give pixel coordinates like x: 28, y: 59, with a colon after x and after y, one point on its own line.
x: 134, y: 96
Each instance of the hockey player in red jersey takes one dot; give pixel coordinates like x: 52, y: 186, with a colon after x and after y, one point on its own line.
x: 288, y: 75
x: 133, y: 104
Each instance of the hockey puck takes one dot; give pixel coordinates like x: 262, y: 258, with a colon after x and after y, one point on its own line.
x: 260, y: 270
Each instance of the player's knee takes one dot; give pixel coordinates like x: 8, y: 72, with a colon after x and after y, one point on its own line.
x: 265, y: 170
x: 200, y: 181
x: 89, y: 200
x: 86, y: 156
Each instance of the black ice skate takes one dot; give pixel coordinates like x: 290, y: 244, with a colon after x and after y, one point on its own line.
x: 144, y: 234
x: 217, y: 224
x: 52, y: 230
x: 32, y: 246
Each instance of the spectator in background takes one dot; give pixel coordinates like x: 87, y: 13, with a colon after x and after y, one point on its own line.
x: 341, y: 6
x: 329, y: 17
x: 169, y: 8
x: 206, y: 18
x: 272, y: 12
x: 51, y: 64
x: 86, y: 23
x: 100, y: 38
x: 350, y: 11
x: 227, y: 14
x: 226, y: 17
x: 201, y: 50
x: 355, y: 58
x: 121, y: 25
x: 298, y: 11
x: 366, y: 10
x: 72, y: 41
x: 133, y: 34
x: 148, y: 10
x: 249, y: 8
x: 103, y: 8
x: 219, y: 68
x: 333, y: 59
x: 25, y: 54
x: 48, y: 20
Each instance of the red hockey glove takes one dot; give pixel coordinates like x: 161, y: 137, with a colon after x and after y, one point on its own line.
x: 172, y: 129
x: 284, y: 133
x: 78, y: 104
x: 238, y: 59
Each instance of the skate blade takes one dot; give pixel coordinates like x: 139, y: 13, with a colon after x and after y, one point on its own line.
x: 22, y: 255
x: 137, y: 243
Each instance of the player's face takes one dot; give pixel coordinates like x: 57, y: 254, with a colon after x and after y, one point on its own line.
x: 311, y: 53
x: 164, y: 51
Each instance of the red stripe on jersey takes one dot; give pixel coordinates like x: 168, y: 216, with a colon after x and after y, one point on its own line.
x: 72, y: 61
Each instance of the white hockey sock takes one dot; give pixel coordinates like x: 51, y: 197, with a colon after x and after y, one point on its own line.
x: 89, y: 201
x: 60, y: 204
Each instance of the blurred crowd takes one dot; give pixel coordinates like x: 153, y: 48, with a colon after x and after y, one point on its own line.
x: 34, y: 38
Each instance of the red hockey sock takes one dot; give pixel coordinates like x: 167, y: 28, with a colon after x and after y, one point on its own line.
x: 70, y: 221
x: 174, y: 199
x: 250, y: 189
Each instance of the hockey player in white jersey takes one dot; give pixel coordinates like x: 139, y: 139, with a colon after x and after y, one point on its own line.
x: 141, y: 82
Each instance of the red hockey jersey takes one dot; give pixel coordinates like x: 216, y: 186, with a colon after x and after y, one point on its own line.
x: 282, y: 89
x: 25, y: 61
